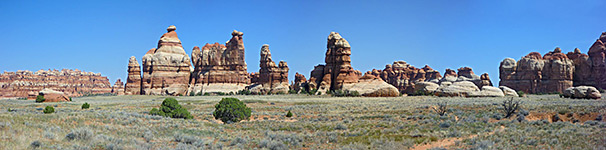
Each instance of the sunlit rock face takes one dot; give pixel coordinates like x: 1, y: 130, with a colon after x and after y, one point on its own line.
x: 556, y: 71
x: 166, y: 69
x: 24, y: 83
x: 271, y: 78
x: 220, y: 68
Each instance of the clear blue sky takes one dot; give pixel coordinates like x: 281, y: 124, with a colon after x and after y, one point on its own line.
x: 100, y: 36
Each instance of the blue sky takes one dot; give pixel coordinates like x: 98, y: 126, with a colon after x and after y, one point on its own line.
x: 100, y: 36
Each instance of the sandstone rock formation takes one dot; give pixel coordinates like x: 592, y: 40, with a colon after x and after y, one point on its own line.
x: 468, y: 89
x: 597, y: 54
x: 555, y: 71
x: 70, y: 82
x: 338, y: 70
x: 166, y: 69
x: 220, y: 68
x: 118, y: 87
x: 588, y: 92
x: 271, y: 78
x: 300, y: 83
x: 372, y: 86
x: 508, y: 91
x: 461, y: 88
x: 426, y: 87
x: 133, y: 81
x: 404, y: 76
x: 535, y: 74
x: 53, y: 96
x: 338, y: 74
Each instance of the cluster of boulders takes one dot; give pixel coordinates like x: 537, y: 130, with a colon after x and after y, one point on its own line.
x: 462, y: 83
x: 556, y: 71
x: 71, y: 83
x: 583, y: 92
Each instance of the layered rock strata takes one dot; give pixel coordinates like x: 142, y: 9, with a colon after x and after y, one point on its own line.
x: 72, y: 83
x: 133, y: 81
x: 404, y: 76
x: 556, y: 71
x: 338, y: 74
x: 166, y: 69
x: 338, y: 70
x: 271, y: 78
x: 535, y: 74
x: 118, y: 87
x: 597, y: 54
x: 220, y: 68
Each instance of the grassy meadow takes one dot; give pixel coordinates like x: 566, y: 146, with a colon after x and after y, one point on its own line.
x: 318, y: 122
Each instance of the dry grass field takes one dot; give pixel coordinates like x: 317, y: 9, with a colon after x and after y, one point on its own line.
x: 319, y: 122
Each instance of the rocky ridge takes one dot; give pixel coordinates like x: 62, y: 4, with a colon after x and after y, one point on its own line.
x: 24, y: 83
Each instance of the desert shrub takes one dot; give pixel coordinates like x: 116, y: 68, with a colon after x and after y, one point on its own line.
x: 206, y: 94
x: 170, y: 108
x: 280, y: 93
x: 85, y: 106
x: 70, y: 99
x: 22, y: 98
x: 421, y: 93
x: 244, y: 92
x: 79, y: 134
x: 510, y: 107
x: 199, y: 93
x: 49, y: 109
x: 36, y: 144
x: 312, y: 92
x: 345, y: 93
x: 221, y: 93
x: 40, y: 99
x: 192, y: 94
x: 289, y: 114
x: 440, y: 109
x: 292, y: 92
x: 231, y: 110
x: 521, y: 93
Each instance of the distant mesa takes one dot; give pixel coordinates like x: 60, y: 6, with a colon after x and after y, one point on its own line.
x: 556, y: 71
x: 71, y: 83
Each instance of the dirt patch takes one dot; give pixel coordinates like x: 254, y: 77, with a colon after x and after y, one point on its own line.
x: 451, y: 141
x: 568, y: 117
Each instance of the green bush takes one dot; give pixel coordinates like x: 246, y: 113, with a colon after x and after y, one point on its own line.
x: 70, y: 99
x: 521, y: 93
x: 292, y: 92
x: 421, y: 93
x: 206, y: 94
x: 244, y: 92
x: 231, y: 110
x: 49, y: 109
x: 40, y: 99
x: 345, y: 93
x: 289, y: 114
x: 85, y: 106
x: 199, y: 93
x: 170, y: 108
